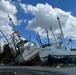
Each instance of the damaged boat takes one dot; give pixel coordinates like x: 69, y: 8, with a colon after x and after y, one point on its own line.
x: 57, y: 50
x: 23, y: 51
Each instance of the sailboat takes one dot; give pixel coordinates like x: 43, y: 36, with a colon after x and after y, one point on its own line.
x: 55, y: 51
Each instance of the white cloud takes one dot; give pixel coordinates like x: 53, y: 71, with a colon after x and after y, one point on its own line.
x: 7, y: 7
x: 45, y: 16
x: 24, y: 6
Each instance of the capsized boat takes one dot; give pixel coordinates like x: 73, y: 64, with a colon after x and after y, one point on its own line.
x: 23, y: 51
x: 26, y: 54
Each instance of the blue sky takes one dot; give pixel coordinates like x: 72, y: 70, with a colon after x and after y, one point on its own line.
x: 30, y: 10
x: 66, y: 5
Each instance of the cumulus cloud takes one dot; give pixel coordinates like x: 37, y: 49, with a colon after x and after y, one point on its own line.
x: 45, y: 16
x: 7, y: 7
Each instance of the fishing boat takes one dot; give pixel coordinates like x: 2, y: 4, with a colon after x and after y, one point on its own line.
x: 23, y: 51
x: 56, y: 50
x: 26, y: 54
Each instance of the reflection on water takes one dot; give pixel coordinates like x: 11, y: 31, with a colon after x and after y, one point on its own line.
x: 23, y: 73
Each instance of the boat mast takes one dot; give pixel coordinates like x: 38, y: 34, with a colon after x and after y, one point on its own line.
x: 39, y: 39
x: 12, y: 22
x: 16, y: 41
x: 62, y: 35
x: 15, y: 31
x: 47, y: 36
x: 4, y: 36
x: 60, y: 26
x: 53, y: 33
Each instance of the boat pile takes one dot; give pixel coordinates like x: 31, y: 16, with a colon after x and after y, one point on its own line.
x: 24, y: 52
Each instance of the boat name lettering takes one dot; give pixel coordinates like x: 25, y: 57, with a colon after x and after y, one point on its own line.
x: 30, y: 52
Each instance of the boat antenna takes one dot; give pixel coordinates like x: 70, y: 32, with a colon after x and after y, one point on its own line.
x: 47, y: 35
x: 4, y: 36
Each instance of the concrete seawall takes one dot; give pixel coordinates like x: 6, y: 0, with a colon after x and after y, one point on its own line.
x: 58, y: 71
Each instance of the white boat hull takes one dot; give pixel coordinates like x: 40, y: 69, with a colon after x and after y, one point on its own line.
x: 56, y: 53
x: 28, y: 54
